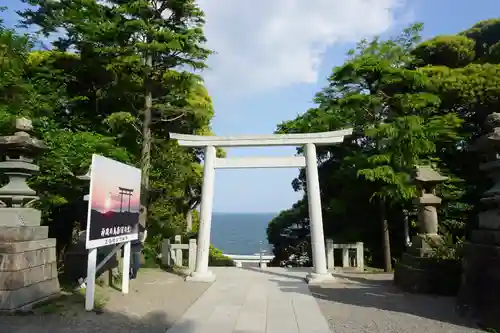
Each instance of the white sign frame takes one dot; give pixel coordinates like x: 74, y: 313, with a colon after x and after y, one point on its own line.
x: 113, y: 240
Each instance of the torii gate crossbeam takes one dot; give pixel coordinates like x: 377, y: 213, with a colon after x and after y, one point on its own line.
x: 309, y: 141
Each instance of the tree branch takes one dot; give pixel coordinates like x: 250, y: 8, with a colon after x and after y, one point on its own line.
x: 172, y: 119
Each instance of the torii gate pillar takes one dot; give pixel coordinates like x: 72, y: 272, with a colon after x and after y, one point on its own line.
x: 320, y: 271
x: 309, y: 141
x: 201, y: 272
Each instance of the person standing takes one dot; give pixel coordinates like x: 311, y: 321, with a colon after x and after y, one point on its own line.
x: 137, y: 245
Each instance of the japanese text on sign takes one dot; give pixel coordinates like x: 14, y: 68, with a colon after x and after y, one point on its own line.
x: 115, y: 231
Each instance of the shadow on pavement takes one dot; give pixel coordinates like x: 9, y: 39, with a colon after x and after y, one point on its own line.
x: 289, y: 272
x: 378, y: 292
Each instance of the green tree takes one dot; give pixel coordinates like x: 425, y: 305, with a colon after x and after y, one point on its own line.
x: 450, y: 51
x: 401, y: 115
x: 134, y: 47
x: 90, y: 94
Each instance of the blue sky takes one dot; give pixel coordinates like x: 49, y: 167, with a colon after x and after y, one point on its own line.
x: 273, y: 56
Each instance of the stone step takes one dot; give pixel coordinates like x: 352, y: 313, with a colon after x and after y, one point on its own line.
x: 26, y: 277
x: 33, y: 245
x: 15, y: 299
x: 20, y: 234
x: 414, y: 261
x: 20, y: 261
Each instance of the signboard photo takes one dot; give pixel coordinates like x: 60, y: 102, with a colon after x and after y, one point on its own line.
x: 113, y: 215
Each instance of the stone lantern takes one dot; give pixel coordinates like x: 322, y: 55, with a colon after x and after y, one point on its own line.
x: 417, y: 271
x: 28, y: 267
x: 480, y: 285
x: 426, y: 180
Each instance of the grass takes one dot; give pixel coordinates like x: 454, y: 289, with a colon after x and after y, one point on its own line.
x: 72, y: 302
x: 177, y: 270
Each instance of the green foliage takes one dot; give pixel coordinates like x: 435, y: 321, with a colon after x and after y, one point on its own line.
x: 485, y: 33
x: 216, y: 258
x: 450, y: 51
x: 450, y: 249
x: 87, y: 95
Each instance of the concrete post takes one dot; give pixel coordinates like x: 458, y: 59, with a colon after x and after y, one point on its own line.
x: 178, y: 252
x: 320, y: 272
x: 192, y: 254
x: 345, y: 256
x: 360, y: 256
x: 329, y: 255
x: 165, y: 253
x: 201, y: 272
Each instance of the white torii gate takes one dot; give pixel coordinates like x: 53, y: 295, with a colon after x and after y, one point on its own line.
x: 309, y: 161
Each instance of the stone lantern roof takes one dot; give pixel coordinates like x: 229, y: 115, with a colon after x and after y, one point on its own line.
x: 21, y: 145
x: 426, y: 174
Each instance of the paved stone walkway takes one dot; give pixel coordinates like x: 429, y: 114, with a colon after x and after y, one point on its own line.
x: 250, y: 301
x: 277, y: 300
x: 253, y: 301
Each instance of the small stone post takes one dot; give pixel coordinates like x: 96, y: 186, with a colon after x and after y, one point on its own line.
x: 480, y: 285
x: 360, y: 256
x: 345, y: 257
x: 192, y: 254
x: 178, y: 252
x: 28, y: 267
x: 330, y: 260
x: 166, y: 257
x: 417, y: 271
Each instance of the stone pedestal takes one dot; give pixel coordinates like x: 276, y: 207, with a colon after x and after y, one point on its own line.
x: 28, y: 265
x: 427, y: 275
x: 480, y: 289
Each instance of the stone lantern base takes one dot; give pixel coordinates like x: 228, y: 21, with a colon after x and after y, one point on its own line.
x: 28, y: 267
x: 419, y: 273
x: 480, y: 289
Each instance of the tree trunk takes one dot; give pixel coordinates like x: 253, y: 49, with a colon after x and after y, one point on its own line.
x: 146, y: 142
x: 189, y: 220
x: 386, y: 242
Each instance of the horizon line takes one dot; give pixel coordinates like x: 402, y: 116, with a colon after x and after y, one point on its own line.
x: 245, y: 212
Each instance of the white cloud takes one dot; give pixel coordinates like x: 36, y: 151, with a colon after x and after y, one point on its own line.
x: 265, y: 44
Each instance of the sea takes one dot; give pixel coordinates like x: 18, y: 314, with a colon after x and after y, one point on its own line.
x: 241, y: 233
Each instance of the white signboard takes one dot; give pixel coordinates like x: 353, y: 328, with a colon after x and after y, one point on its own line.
x: 114, y: 203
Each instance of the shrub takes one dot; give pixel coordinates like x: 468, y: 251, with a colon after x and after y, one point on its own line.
x: 447, y: 265
x: 216, y: 258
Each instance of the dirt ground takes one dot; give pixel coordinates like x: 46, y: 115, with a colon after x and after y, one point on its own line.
x: 156, y: 300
